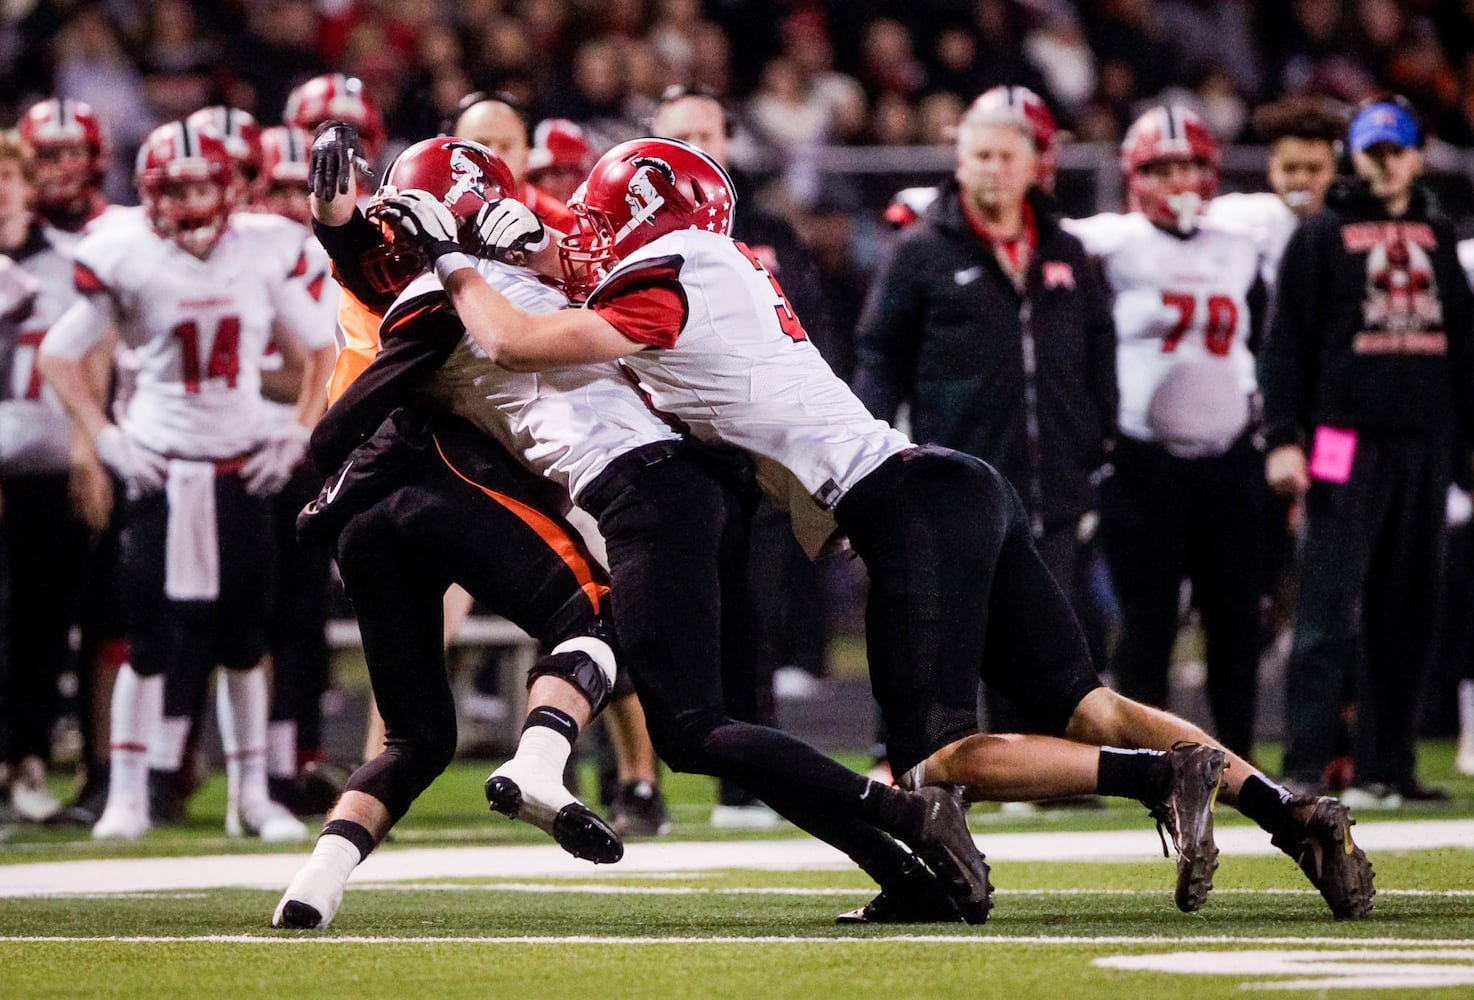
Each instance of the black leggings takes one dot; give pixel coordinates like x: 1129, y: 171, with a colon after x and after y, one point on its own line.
x: 677, y: 539
x: 958, y: 592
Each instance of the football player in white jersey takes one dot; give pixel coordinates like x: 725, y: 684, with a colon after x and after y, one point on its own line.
x: 1183, y: 500
x: 194, y: 291
x: 1303, y: 135
x: 674, y: 526
x: 956, y: 584
x: 57, y: 496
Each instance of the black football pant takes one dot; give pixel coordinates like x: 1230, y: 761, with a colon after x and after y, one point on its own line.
x: 459, y: 510
x: 677, y: 538
x: 1371, y: 569
x: 1163, y: 519
x: 958, y: 594
x: 47, y: 563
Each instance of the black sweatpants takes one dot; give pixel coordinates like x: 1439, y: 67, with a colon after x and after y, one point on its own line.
x: 958, y: 593
x: 458, y: 510
x: 47, y: 561
x: 1371, y: 569
x: 1163, y: 519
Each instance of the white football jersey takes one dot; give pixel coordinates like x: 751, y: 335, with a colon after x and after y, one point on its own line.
x: 1182, y: 328
x: 1264, y: 218
x: 198, y: 328
x: 315, y: 275
x: 35, y: 431
x: 567, y: 424
x: 743, y: 373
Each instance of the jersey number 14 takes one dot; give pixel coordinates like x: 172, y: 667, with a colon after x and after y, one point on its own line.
x: 225, y: 359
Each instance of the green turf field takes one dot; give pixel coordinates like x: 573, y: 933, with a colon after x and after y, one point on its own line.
x: 1073, y: 930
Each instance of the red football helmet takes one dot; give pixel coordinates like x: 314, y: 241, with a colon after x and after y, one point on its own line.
x: 1167, y: 134
x: 335, y: 97
x: 464, y: 175
x: 176, y: 155
x: 240, y: 133
x: 638, y: 192
x: 50, y: 128
x: 1031, y: 107
x: 283, y: 183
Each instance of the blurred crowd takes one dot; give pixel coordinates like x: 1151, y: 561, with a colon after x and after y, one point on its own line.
x: 858, y: 72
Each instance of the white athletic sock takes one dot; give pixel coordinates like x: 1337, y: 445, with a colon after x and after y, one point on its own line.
x: 281, y: 749
x: 241, y: 702
x: 1466, y: 708
x: 543, y: 752
x: 166, y: 753
x: 335, y: 855
x: 137, y: 709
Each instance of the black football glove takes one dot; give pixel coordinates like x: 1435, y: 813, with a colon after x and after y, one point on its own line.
x: 336, y: 152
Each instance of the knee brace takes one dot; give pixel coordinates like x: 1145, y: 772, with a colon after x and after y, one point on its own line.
x: 586, y: 662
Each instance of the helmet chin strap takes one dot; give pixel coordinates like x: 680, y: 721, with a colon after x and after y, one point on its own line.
x: 1185, y: 206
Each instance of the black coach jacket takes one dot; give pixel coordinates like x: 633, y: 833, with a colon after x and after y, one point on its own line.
x: 1372, y: 324
x: 1026, y: 382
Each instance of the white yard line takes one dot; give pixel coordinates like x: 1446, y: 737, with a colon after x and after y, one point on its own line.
x: 123, y: 875
x: 981, y: 937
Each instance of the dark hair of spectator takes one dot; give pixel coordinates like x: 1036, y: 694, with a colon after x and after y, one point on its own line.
x: 1310, y: 118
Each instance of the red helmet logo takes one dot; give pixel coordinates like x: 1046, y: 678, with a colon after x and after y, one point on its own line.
x: 638, y: 192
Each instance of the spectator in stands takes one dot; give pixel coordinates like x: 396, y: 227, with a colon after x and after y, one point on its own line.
x: 1367, y: 371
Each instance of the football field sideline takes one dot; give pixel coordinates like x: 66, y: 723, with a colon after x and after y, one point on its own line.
x: 417, y: 864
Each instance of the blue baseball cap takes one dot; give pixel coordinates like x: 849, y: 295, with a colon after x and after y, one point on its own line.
x: 1383, y: 122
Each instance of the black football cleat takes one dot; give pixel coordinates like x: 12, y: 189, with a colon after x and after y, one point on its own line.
x: 947, y: 847
x: 1319, y: 841
x: 1194, y: 773
x: 577, y: 828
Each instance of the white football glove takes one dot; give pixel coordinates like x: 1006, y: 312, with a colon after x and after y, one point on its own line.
x: 509, y: 230
x: 142, y: 471
x: 418, y: 215
x: 272, y: 464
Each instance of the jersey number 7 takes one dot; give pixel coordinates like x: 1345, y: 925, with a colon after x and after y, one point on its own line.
x: 788, y: 320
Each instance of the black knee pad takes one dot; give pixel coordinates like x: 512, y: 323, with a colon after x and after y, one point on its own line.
x: 580, y: 670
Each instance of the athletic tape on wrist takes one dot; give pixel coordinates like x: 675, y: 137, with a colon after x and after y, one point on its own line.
x: 448, y: 264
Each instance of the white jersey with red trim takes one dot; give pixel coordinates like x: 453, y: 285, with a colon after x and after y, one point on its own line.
x: 567, y: 424
x: 35, y: 431
x: 1263, y: 217
x: 1182, y: 328
x: 314, y: 272
x: 742, y: 372
x: 199, y: 328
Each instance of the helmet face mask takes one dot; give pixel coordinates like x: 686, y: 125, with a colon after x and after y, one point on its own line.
x: 636, y: 193
x: 186, y: 180
x: 1171, y: 196
x: 71, y: 156
x: 464, y: 175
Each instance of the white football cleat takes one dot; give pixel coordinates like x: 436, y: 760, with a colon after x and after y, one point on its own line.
x: 122, y: 822
x: 271, y: 821
x: 311, y: 900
